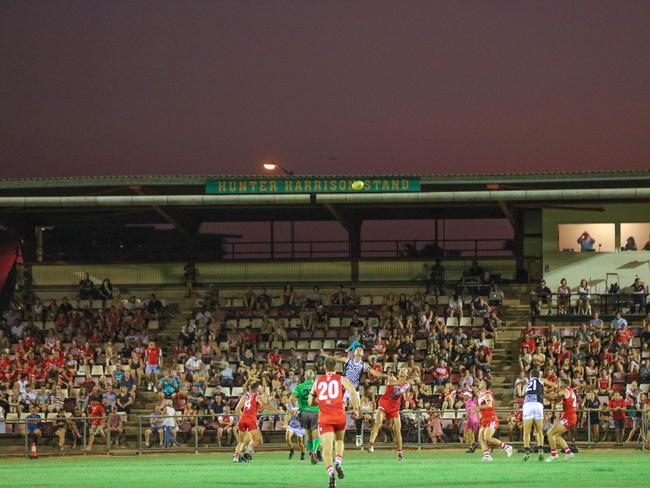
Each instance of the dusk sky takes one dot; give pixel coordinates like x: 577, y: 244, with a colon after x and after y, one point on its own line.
x: 329, y: 87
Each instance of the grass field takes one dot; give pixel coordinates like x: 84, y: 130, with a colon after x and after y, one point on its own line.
x: 591, y: 469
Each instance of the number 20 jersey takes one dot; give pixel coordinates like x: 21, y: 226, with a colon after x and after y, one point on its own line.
x: 329, y: 391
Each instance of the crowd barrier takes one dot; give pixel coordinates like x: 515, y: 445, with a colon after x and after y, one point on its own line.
x: 196, y: 433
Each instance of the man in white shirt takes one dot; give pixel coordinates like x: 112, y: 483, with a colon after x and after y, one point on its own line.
x: 194, y: 364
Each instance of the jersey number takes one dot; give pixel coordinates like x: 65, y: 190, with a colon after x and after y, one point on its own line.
x: 328, y: 391
x: 532, y: 387
x: 247, y: 405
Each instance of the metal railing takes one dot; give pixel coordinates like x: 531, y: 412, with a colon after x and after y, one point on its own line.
x: 575, y: 306
x: 196, y: 433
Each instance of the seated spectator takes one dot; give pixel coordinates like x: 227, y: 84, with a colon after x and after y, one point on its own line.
x: 441, y: 373
x: 630, y: 244
x: 618, y: 321
x: 339, y: 297
x: 436, y: 280
x: 563, y: 298
x: 169, y: 386
x: 639, y: 294
x: 194, y: 365
x: 211, y: 297
x: 250, y: 299
x: 105, y: 291
x: 124, y: 400
x: 353, y: 297
x: 455, y: 306
x: 368, y: 337
x: 584, y: 298
x: 154, y: 307
x: 314, y: 298
x: 226, y: 376
x: 288, y: 296
x: 203, y: 318
x: 479, y: 307
x: 475, y: 271
x: 495, y: 297
x: 263, y: 300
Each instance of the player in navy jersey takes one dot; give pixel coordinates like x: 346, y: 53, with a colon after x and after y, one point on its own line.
x: 533, y: 414
x: 353, y: 368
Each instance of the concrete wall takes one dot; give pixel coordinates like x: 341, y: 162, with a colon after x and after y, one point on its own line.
x: 595, y: 265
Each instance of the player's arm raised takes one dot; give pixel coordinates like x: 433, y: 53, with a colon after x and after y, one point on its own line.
x: 336, y: 358
x: 354, y: 396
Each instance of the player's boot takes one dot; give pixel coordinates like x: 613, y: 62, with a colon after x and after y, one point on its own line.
x: 247, y: 457
x: 526, y: 454
x: 332, y: 481
x: 313, y: 457
x: 400, y: 458
x: 568, y: 456
x: 540, y: 454
x: 508, y: 450
x: 472, y: 448
x: 487, y: 457
x: 339, y: 471
x: 371, y: 448
x: 552, y: 459
x: 235, y: 458
x: 359, y: 441
x: 291, y: 452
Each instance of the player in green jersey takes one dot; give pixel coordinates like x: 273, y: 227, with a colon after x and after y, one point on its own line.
x: 308, y: 414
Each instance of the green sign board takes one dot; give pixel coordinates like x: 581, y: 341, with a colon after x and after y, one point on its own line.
x: 311, y: 184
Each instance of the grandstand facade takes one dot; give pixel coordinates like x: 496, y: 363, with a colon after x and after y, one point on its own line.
x: 491, y: 307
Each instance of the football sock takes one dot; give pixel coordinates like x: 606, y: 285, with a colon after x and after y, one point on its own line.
x: 309, y: 445
x: 358, y: 424
x: 553, y: 452
x: 503, y: 446
x: 338, y: 460
x: 486, y: 452
x: 567, y: 450
x: 316, y: 444
x: 330, y: 470
x: 400, y: 452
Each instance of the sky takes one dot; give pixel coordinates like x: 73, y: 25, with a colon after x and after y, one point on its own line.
x: 325, y: 87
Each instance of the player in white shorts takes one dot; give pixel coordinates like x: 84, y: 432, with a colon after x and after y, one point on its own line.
x: 533, y: 414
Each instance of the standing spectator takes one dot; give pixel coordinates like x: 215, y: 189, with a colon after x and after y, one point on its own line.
x: 288, y: 296
x: 339, y: 297
x: 263, y: 300
x: 153, y: 354
x: 189, y: 274
x: 586, y: 242
x: 97, y: 415
x: 617, y: 407
x: 437, y: 278
x: 592, y: 408
x: 105, y: 291
x: 86, y: 288
x: 455, y: 306
x: 169, y: 421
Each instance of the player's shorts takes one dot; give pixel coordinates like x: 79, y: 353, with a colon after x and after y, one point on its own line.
x: 390, y: 413
x: 152, y: 369
x: 299, y: 431
x: 491, y: 423
x: 309, y: 420
x: 337, y: 427
x: 346, y: 395
x: 247, y: 425
x: 533, y: 411
x: 471, y: 425
x: 567, y: 423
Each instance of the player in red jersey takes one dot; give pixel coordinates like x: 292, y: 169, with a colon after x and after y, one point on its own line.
x: 568, y: 420
x: 489, y: 422
x: 327, y: 393
x: 389, y: 408
x: 249, y: 433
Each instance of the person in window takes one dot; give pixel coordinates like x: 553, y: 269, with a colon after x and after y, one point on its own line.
x: 630, y: 244
x: 586, y: 242
x: 647, y: 245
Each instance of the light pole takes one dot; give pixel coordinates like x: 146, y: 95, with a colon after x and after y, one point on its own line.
x: 272, y: 165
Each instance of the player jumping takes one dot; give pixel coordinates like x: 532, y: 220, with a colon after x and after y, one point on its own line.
x: 328, y: 392
x: 568, y: 420
x: 489, y: 422
x: 308, y: 414
x: 389, y: 408
x: 353, y: 367
x: 249, y: 434
x: 534, y: 414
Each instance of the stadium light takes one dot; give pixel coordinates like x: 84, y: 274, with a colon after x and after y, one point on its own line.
x: 272, y: 165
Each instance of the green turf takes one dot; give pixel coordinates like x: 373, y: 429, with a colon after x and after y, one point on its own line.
x: 591, y: 469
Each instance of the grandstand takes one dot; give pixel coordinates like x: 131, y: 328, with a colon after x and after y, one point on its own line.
x: 70, y: 330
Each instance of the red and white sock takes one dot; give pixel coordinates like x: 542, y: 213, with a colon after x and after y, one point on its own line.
x: 330, y: 470
x: 553, y: 452
x: 251, y: 446
x: 486, y: 453
x: 338, y: 460
x: 400, y: 452
x: 567, y: 450
x: 503, y: 445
